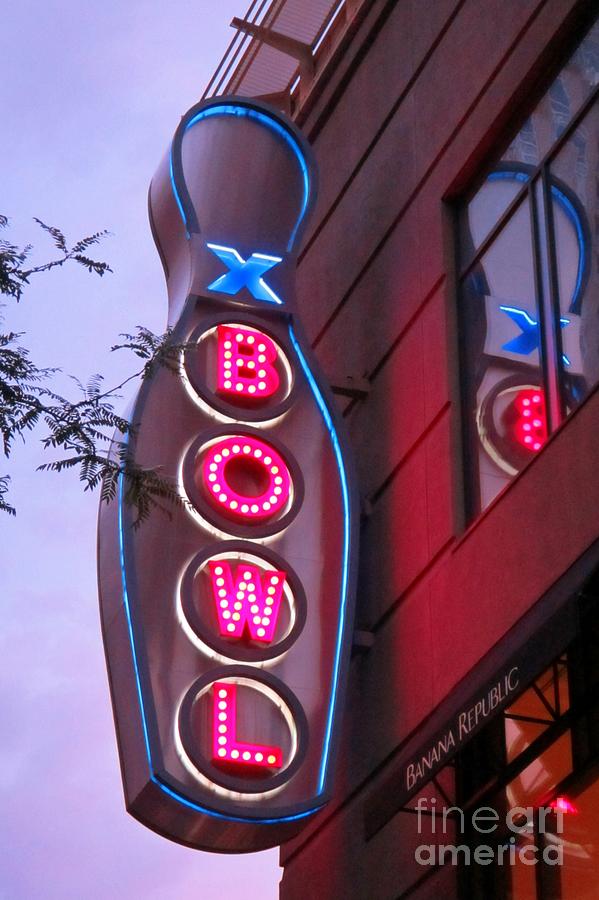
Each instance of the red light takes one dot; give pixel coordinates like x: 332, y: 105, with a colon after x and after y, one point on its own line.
x: 225, y: 746
x: 255, y: 455
x: 245, y: 363
x: 531, y: 433
x: 563, y: 805
x: 252, y: 601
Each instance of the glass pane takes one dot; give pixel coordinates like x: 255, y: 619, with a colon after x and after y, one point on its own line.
x: 552, y: 688
x: 557, y: 108
x: 523, y: 876
x: 501, y: 354
x: 548, y: 121
x: 479, y: 217
x: 580, y: 867
x: 575, y: 196
x: 519, y: 735
x: 535, y: 710
x: 534, y: 784
x: 511, y: 879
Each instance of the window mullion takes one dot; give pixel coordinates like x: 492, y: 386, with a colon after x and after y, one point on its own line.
x: 553, y: 306
x: 548, y: 338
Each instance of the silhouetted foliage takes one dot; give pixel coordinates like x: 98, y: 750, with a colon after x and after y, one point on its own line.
x: 82, y: 430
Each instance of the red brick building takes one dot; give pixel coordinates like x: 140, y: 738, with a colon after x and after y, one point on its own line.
x: 449, y: 284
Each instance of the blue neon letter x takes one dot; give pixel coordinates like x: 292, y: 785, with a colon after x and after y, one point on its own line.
x: 529, y: 338
x: 244, y: 273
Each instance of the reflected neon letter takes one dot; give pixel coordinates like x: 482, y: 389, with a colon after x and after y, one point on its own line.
x: 252, y: 601
x: 530, y: 429
x: 226, y: 747
x: 246, y: 363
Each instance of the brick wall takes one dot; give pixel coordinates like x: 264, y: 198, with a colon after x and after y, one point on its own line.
x: 424, y: 93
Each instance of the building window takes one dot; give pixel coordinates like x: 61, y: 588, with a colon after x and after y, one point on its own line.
x: 537, y: 766
x: 510, y: 805
x: 529, y: 281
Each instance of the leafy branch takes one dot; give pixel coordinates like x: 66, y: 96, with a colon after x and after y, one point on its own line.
x: 5, y: 506
x: 81, y: 429
x: 14, y: 275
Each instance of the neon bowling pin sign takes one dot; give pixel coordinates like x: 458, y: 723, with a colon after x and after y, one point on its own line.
x: 227, y: 628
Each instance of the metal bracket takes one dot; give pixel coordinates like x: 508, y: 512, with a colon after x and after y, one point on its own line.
x: 351, y: 386
x: 366, y: 507
x: 280, y: 99
x: 363, y: 641
x: 292, y: 47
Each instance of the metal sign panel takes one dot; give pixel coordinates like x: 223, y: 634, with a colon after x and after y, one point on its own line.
x: 228, y: 628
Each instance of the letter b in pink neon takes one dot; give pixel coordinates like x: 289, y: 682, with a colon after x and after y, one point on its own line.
x: 246, y: 361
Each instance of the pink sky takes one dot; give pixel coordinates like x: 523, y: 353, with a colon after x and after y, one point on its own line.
x: 91, y: 94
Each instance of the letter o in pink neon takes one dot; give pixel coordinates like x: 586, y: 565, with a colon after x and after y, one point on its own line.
x: 255, y: 455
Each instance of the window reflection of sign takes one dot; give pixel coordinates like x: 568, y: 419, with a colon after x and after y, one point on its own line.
x: 511, y: 422
x: 505, y: 281
x: 513, y: 333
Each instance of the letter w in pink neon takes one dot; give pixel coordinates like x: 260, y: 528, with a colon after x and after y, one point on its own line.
x: 250, y: 601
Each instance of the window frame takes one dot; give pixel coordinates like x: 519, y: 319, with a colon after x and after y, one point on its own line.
x: 537, y: 191
x: 494, y: 777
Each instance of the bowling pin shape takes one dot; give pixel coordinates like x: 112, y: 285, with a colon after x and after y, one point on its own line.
x: 227, y: 627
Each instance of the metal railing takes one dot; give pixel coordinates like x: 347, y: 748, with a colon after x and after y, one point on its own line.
x: 278, y: 47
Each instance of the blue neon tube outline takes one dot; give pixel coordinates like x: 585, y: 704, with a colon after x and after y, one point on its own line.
x: 229, y: 109
x: 345, y: 573
x: 176, y: 194
x: 570, y: 212
x: 157, y: 781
